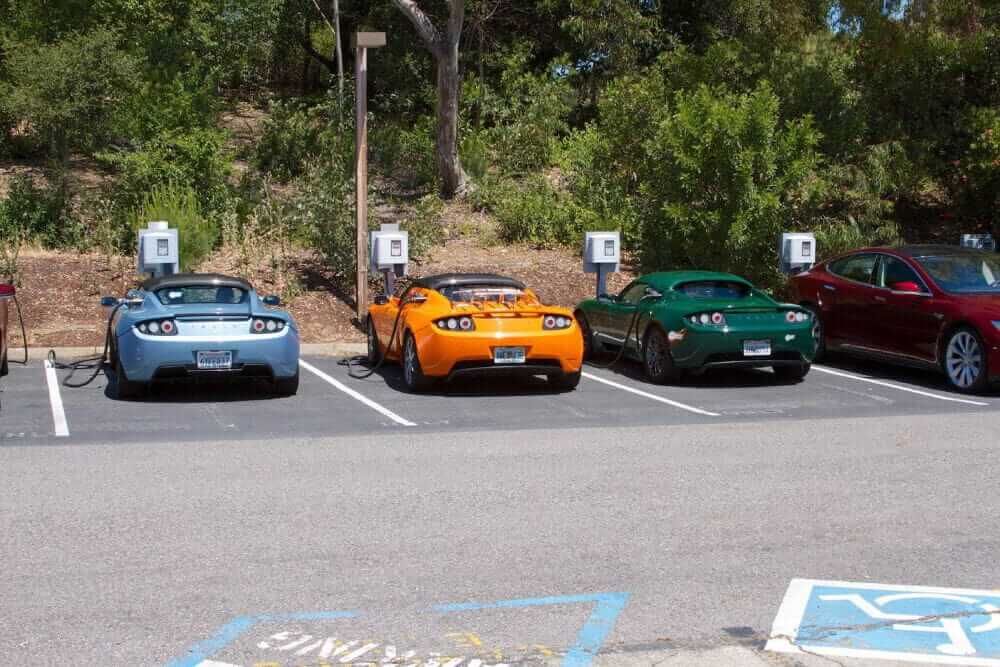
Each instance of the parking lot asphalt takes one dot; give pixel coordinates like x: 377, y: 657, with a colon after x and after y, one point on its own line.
x: 38, y: 409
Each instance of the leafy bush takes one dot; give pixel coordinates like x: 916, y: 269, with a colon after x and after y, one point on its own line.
x: 69, y: 91
x: 179, y: 206
x: 41, y: 214
x: 724, y: 178
x: 424, y: 226
x: 296, y: 133
x: 323, y: 214
x: 406, y: 153
x: 183, y: 159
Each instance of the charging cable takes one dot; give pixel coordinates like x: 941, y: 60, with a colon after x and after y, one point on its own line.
x: 628, y: 334
x: 95, y: 364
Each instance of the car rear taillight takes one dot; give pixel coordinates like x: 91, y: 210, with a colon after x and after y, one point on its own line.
x: 556, y: 322
x: 261, y: 325
x: 158, y: 327
x: 456, y: 324
x: 714, y: 319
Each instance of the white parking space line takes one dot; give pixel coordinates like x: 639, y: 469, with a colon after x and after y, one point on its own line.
x: 654, y: 397
x: 355, y: 395
x: 882, y: 383
x: 55, y: 398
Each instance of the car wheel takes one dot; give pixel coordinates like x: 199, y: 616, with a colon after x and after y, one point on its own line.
x: 565, y: 381
x: 123, y: 388
x: 413, y: 375
x: 287, y: 386
x: 818, y: 332
x: 794, y: 373
x: 965, y: 361
x: 656, y: 360
x: 374, y: 348
x: 590, y: 347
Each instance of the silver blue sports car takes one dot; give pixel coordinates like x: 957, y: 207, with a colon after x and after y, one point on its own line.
x: 192, y: 324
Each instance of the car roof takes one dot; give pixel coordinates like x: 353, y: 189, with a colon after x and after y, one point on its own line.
x: 930, y: 250
x: 466, y: 280
x: 664, y: 280
x: 193, y: 279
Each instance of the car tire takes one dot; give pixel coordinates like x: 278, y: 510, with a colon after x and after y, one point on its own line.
x: 964, y: 361
x: 818, y: 331
x: 793, y: 373
x: 591, y: 348
x: 374, y: 348
x: 565, y: 381
x: 287, y: 386
x: 122, y: 388
x: 657, y: 363
x: 413, y: 374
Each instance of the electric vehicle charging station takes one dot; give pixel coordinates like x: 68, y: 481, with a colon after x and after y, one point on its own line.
x: 797, y: 252
x: 6, y: 295
x: 979, y: 242
x: 602, y: 255
x: 159, y: 250
x: 390, y: 253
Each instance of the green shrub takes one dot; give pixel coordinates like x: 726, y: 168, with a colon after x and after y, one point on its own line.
x: 296, y: 134
x: 69, y: 92
x: 193, y: 159
x: 178, y: 205
x: 42, y: 215
x: 725, y: 178
x: 322, y: 213
x: 406, y: 154
x: 424, y: 226
x: 475, y: 155
x: 533, y: 211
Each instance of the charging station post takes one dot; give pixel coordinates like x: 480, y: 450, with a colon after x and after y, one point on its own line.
x: 979, y: 242
x: 390, y: 252
x: 797, y: 252
x: 159, y: 250
x: 601, y: 255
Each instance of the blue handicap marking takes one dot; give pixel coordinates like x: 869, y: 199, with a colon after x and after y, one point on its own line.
x: 215, y: 651
x: 906, y: 623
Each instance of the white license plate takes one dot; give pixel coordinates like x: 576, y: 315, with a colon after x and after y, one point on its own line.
x: 508, y: 355
x: 215, y: 361
x: 756, y: 348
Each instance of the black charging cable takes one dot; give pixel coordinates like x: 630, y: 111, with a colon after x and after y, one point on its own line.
x: 632, y: 327
x: 95, y: 363
x: 351, y: 362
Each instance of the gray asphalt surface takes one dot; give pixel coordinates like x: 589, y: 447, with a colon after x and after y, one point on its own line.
x: 156, y: 523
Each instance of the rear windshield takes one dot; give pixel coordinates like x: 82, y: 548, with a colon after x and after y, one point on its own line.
x: 964, y: 272
x: 714, y: 289
x: 177, y: 296
x: 471, y: 293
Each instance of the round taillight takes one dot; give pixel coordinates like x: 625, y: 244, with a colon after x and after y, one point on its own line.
x: 717, y: 318
x: 465, y: 324
x: 705, y: 319
x: 790, y: 316
x: 258, y: 325
x: 562, y: 322
x: 272, y: 325
x: 550, y: 322
x: 167, y: 327
x: 452, y: 323
x: 801, y: 317
x: 154, y: 328
x: 281, y: 325
x: 142, y: 327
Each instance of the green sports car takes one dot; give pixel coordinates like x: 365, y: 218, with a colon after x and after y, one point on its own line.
x: 681, y: 321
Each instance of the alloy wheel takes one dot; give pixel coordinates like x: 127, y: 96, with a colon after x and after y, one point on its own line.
x: 654, y: 354
x: 409, y: 361
x: 964, y: 360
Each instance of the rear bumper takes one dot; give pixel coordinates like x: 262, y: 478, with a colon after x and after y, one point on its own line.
x: 146, y: 358
x: 447, y: 354
x: 718, y: 349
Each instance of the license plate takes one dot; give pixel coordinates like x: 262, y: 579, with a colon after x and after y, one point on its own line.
x: 215, y: 361
x: 756, y: 348
x: 508, y: 355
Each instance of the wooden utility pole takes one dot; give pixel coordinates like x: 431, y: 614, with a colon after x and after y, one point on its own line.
x: 362, y: 42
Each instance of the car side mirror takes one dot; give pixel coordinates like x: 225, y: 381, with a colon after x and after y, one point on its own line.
x: 381, y: 299
x: 272, y: 300
x: 417, y: 298
x: 906, y: 286
x: 611, y: 298
x: 133, y: 297
x: 652, y: 293
x: 109, y: 301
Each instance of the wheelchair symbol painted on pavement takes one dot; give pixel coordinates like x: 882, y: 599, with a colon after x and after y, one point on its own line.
x: 908, y: 623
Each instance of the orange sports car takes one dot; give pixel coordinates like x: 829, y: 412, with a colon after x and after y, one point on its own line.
x: 457, y: 324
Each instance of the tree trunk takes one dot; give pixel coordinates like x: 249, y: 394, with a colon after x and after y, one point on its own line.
x: 453, y: 177
x: 340, y: 58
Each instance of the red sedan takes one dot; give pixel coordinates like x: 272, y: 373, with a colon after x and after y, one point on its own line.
x: 934, y: 306
x: 6, y: 293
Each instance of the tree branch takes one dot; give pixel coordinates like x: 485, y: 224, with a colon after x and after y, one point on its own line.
x: 456, y: 15
x: 423, y: 25
x: 307, y: 46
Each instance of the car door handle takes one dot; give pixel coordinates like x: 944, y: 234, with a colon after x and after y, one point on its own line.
x: 880, y: 299
x: 831, y: 288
